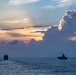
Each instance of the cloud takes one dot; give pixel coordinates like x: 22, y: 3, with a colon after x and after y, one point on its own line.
x: 68, y: 19
x: 65, y: 31
x: 17, y: 2
x: 73, y: 38
x: 60, y: 41
x: 13, y: 42
x: 64, y: 35
x: 68, y: 24
x: 25, y: 34
x: 65, y: 0
x: 14, y: 17
x: 25, y: 20
x: 16, y: 22
x: 49, y: 6
x: 60, y: 4
x: 62, y: 22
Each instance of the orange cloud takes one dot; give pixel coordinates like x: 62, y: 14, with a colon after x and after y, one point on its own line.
x: 72, y: 38
x: 25, y: 34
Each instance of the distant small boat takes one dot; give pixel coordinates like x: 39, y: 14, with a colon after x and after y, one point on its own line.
x: 63, y: 57
x: 5, y: 57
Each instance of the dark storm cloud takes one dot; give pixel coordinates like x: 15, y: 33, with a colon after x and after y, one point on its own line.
x: 58, y: 41
x: 69, y: 24
x: 13, y: 42
x: 69, y: 19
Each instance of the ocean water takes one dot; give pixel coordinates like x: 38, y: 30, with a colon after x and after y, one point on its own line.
x: 38, y: 66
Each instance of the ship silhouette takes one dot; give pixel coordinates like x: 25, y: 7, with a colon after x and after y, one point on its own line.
x: 5, y: 57
x: 63, y: 57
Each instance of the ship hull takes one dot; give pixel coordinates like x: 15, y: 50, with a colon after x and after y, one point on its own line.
x: 62, y: 58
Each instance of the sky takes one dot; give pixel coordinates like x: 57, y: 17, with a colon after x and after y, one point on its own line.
x: 37, y: 28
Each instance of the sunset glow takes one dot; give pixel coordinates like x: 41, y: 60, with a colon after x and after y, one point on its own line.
x: 23, y: 34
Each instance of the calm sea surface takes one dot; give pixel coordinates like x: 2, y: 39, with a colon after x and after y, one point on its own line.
x: 38, y: 66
